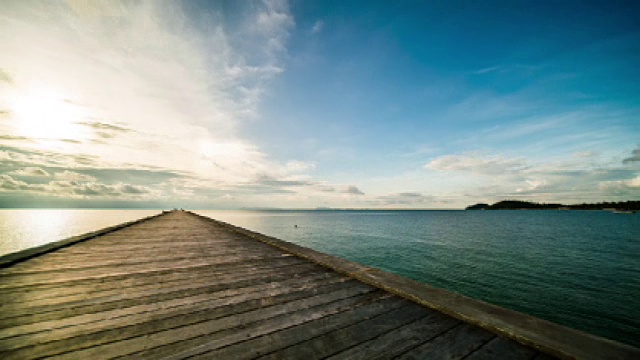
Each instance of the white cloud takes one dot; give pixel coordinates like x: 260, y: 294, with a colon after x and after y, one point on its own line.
x: 73, y: 176
x: 274, y: 22
x: 533, y: 185
x: 406, y: 198
x: 553, y: 126
x: 148, y: 89
x: 119, y: 189
x: 35, y: 158
x: 74, y: 189
x: 486, y: 165
x: 7, y: 183
x: 619, y: 185
x: 275, y: 17
x: 296, y: 166
x: 31, y: 171
x: 586, y: 154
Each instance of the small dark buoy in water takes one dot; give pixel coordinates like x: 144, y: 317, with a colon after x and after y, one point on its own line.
x: 295, y: 226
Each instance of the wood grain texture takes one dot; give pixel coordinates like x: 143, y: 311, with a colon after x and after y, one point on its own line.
x: 179, y: 285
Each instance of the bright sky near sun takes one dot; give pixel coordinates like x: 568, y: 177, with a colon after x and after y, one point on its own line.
x: 305, y: 104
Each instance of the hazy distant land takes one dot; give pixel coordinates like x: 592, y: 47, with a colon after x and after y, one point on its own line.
x: 519, y: 205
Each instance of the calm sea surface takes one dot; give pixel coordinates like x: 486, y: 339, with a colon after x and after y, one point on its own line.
x: 577, y: 268
x: 23, y: 229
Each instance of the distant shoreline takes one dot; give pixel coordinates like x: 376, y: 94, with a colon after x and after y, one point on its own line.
x: 621, y: 206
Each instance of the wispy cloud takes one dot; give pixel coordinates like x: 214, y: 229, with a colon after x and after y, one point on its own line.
x: 566, y: 179
x: 104, y: 126
x: 266, y: 180
x: 7, y: 183
x: 486, y: 105
x: 486, y: 165
x: 530, y: 126
x: 405, y: 199
x: 489, y: 69
x: 73, y: 176
x: 353, y: 190
x: 147, y: 89
x: 586, y: 154
x: 72, y: 189
x: 317, y: 27
x: 622, y: 186
x: 192, y: 101
x: 30, y: 171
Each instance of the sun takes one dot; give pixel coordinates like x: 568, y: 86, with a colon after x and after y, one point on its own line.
x: 46, y: 114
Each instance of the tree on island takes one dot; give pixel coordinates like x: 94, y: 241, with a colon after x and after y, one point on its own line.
x: 477, y: 207
x: 519, y: 205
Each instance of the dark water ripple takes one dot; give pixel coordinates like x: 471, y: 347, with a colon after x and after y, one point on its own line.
x: 576, y: 268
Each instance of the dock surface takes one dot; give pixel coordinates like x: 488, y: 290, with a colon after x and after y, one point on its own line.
x: 179, y: 285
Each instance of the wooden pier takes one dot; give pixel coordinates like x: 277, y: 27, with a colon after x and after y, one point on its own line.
x: 179, y: 285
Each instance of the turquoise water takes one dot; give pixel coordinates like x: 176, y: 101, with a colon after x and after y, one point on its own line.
x: 576, y: 268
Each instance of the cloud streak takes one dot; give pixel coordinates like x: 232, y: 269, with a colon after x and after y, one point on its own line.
x: 317, y: 27
x: 73, y: 188
x: 406, y: 199
x: 30, y: 171
x: 146, y: 88
x: 353, y: 190
x: 622, y: 185
x: 486, y: 165
x: 243, y: 104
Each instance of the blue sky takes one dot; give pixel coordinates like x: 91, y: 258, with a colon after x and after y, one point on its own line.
x: 305, y: 104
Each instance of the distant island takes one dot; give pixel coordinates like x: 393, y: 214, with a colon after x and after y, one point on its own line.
x: 526, y: 205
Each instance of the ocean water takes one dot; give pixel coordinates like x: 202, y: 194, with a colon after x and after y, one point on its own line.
x: 22, y: 229
x: 576, y: 268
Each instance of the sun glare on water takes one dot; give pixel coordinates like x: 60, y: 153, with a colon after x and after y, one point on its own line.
x: 46, y: 114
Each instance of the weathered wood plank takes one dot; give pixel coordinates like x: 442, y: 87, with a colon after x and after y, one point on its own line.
x: 542, y: 356
x: 225, y: 330
x: 36, y: 306
x: 92, y: 334
x: 184, y: 289
x: 544, y: 335
x: 34, y: 279
x: 500, y: 347
x: 296, y: 315
x: 176, y: 255
x: 125, y: 301
x: 113, y: 281
x: 456, y: 343
x: 350, y: 336
x: 293, y: 335
x: 188, y: 280
x: 136, y: 279
x: 400, y: 340
x: 161, y: 309
x: 163, y: 241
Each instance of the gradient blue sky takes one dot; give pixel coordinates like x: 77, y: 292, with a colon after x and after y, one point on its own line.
x: 304, y: 104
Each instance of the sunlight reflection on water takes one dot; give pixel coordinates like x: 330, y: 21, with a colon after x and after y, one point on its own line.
x: 25, y: 228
